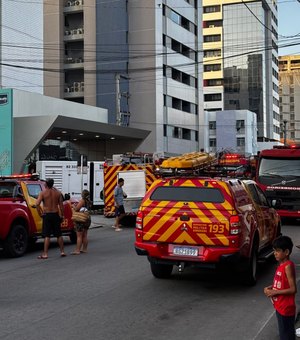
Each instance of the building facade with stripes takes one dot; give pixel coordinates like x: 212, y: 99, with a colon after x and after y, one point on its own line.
x: 240, y: 60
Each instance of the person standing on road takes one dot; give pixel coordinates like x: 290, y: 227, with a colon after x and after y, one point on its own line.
x: 284, y: 288
x: 53, y: 213
x: 119, y: 196
x: 84, y: 205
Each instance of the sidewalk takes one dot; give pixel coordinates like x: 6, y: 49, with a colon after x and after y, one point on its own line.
x: 99, y: 221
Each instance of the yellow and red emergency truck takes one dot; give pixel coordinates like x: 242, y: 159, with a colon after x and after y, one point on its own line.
x: 193, y: 220
x: 21, y: 223
x: 137, y: 180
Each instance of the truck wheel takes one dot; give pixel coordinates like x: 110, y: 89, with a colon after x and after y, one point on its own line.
x: 161, y: 271
x: 249, y: 273
x: 73, y: 237
x: 17, y: 241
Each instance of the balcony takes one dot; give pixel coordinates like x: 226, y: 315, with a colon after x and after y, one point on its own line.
x: 73, y: 6
x: 72, y: 63
x: 74, y: 90
x: 74, y: 34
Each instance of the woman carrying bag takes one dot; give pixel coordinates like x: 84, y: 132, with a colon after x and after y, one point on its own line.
x: 82, y: 225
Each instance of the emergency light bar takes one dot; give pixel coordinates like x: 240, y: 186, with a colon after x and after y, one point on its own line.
x: 34, y: 176
x: 291, y: 146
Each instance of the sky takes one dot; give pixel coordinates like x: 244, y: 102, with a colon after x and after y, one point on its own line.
x: 288, y: 25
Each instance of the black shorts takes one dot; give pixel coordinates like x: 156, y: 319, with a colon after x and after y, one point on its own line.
x: 120, y: 210
x: 51, y: 225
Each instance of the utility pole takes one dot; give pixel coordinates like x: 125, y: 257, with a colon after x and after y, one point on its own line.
x: 119, y: 95
x: 284, y: 131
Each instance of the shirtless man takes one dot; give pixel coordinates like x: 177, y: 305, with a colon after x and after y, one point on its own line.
x: 53, y: 213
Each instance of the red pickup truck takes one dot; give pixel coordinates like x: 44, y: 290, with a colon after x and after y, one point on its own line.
x: 21, y: 223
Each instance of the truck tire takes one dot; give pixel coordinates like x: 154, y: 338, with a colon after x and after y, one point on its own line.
x: 161, y: 271
x: 16, y: 243
x: 250, y: 271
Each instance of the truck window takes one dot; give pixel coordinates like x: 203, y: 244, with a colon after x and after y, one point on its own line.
x: 279, y: 167
x: 188, y: 194
x: 7, y: 189
x: 34, y: 190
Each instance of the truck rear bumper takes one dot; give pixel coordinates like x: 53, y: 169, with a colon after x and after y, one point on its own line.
x: 206, y: 254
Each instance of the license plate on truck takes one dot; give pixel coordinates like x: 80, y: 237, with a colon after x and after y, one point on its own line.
x: 185, y: 251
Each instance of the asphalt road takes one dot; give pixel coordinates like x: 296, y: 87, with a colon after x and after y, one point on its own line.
x: 109, y: 293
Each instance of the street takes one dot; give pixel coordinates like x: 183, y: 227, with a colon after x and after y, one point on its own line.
x: 110, y: 293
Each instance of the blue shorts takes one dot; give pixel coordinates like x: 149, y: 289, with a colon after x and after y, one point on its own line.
x: 120, y: 210
x: 51, y: 225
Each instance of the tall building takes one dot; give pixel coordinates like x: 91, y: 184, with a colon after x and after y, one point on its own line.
x: 138, y: 59
x: 240, y: 60
x: 21, y: 45
x: 289, y: 91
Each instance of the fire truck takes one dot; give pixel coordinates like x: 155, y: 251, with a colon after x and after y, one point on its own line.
x: 137, y: 170
x: 234, y: 164
x: 193, y: 216
x: 278, y: 176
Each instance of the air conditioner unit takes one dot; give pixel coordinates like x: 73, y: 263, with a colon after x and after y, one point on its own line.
x: 67, y: 32
x: 76, y: 85
x: 80, y: 31
x: 71, y: 89
x: 74, y: 31
x: 69, y: 3
x: 78, y: 2
x: 211, y: 26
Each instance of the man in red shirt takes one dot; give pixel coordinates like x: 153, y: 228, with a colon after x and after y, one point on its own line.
x: 284, y: 288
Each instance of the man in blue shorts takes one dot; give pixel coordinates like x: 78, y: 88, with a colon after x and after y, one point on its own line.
x: 119, y: 196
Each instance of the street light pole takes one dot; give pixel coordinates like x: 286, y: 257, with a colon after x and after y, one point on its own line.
x: 284, y: 131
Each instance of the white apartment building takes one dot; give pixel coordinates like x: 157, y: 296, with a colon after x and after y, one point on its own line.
x: 21, y: 45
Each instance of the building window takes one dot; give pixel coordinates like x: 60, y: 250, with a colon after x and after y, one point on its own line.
x: 175, y: 17
x: 212, y: 53
x: 212, y: 97
x: 240, y: 141
x: 240, y: 124
x: 211, y: 9
x: 212, y: 38
x: 181, y: 20
x: 212, y: 23
x: 212, y: 142
x: 175, y: 132
x: 212, y: 67
x: 213, y: 82
x: 186, y: 134
x: 212, y: 125
x: 176, y: 103
x: 180, y: 133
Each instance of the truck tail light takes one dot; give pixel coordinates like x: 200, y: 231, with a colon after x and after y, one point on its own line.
x: 139, y: 220
x: 235, y: 225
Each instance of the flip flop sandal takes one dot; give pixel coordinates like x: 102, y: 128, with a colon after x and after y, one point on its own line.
x: 42, y: 257
x: 75, y: 253
x: 63, y: 255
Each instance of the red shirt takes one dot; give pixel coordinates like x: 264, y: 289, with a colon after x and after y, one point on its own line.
x: 284, y: 304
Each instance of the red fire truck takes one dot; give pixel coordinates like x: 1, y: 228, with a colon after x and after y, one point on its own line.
x: 278, y: 175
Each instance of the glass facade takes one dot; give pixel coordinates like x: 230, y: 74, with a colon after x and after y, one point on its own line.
x: 244, y: 40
